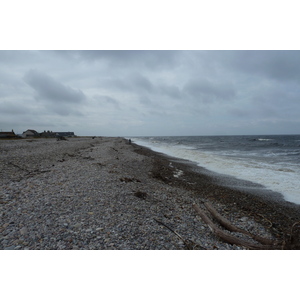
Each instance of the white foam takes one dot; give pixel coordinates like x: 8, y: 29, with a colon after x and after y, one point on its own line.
x: 282, y: 178
x: 266, y: 139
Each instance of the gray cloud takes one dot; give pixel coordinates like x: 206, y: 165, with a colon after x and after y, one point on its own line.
x: 103, y: 99
x: 116, y: 83
x: 146, y: 101
x: 153, y: 92
x: 11, y: 108
x: 15, y: 58
x: 140, y: 82
x: 50, y: 89
x: 148, y: 59
x: 277, y: 65
x: 208, y: 91
x: 56, y: 96
x: 171, y: 91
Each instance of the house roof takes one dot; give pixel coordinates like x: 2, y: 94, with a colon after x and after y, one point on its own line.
x: 31, y: 130
x: 7, y: 133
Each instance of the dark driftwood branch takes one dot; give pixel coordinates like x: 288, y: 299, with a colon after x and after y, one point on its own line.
x: 262, y: 216
x: 21, y: 168
x: 187, y: 243
x: 226, y: 224
x: 228, y: 238
x: 294, y: 242
x: 161, y: 223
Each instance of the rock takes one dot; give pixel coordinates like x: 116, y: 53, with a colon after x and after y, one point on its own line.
x: 77, y: 225
x: 5, y: 225
x: 23, y: 230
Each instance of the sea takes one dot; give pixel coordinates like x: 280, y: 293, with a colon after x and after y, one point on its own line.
x: 271, y: 161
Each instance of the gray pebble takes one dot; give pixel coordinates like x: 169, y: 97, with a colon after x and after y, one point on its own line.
x: 23, y: 230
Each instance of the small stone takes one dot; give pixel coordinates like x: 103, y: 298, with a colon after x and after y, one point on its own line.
x: 23, y: 230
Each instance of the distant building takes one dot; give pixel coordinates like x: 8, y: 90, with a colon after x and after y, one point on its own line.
x: 47, y: 134
x: 67, y: 134
x: 7, y: 134
x: 30, y: 133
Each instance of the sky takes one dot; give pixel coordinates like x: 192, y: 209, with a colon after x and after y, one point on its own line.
x: 149, y: 93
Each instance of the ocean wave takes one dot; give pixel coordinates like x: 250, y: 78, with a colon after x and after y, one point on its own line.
x: 264, y: 140
x: 276, y: 167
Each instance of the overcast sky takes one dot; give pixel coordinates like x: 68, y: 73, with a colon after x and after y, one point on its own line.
x: 139, y: 93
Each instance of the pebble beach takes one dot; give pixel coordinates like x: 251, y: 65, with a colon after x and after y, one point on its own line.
x: 104, y: 193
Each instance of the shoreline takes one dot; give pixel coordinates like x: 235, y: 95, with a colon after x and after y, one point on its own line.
x: 104, y: 193
x: 232, y: 192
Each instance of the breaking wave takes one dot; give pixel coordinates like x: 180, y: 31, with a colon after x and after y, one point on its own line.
x: 273, y: 165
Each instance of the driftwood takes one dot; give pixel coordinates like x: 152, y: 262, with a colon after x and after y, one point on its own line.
x: 228, y: 238
x: 294, y: 242
x: 29, y: 173
x: 226, y: 224
x: 21, y: 168
x: 189, y: 244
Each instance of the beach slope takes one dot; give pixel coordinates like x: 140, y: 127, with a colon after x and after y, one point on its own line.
x: 104, y: 193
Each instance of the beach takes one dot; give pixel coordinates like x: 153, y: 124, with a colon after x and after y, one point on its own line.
x: 105, y: 193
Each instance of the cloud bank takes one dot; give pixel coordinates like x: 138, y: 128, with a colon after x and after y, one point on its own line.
x: 126, y: 93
